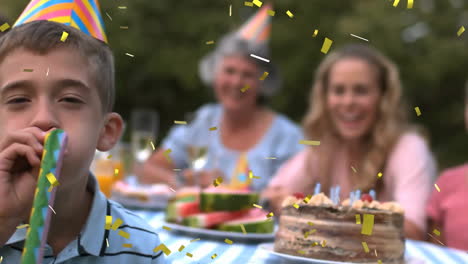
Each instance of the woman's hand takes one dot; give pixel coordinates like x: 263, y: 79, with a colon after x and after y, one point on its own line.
x: 275, y: 195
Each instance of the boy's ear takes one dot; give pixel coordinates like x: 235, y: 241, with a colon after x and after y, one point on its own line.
x: 111, y: 132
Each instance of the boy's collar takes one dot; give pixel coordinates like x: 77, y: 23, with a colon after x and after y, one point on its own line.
x: 92, y: 239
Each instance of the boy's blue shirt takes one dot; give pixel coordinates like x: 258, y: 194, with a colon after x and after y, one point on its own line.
x: 91, y: 246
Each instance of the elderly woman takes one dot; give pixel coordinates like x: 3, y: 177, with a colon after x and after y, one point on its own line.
x: 241, y: 134
x: 366, y: 142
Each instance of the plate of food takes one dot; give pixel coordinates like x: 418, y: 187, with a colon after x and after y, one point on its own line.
x: 318, y: 230
x: 150, y: 197
x: 219, y: 213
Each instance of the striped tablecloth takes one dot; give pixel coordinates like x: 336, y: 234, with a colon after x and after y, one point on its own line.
x: 244, y: 253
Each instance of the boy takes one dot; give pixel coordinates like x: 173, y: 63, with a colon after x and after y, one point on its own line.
x: 447, y: 209
x: 47, y: 83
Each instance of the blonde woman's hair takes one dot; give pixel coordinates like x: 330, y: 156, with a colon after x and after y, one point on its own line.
x: 391, y: 120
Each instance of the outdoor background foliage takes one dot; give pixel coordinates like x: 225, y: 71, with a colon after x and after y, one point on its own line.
x: 167, y: 39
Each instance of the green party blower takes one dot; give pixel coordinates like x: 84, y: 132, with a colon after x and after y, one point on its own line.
x: 54, y: 146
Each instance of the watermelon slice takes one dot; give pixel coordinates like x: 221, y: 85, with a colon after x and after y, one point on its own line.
x: 255, y: 221
x: 179, y: 209
x: 207, y: 220
x: 227, y: 200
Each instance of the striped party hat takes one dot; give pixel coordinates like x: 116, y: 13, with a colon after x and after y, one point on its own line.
x: 84, y: 15
x: 257, y: 29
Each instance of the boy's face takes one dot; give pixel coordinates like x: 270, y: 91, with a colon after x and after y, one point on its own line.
x: 58, y: 93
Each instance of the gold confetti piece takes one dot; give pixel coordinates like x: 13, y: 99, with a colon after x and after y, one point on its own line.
x: 309, y: 142
x: 210, y: 42
x: 270, y: 158
x: 166, y: 228
x: 245, y: 88
x: 122, y: 7
x: 263, y: 77
x: 213, y: 128
x: 108, y: 222
x: 379, y: 261
x: 228, y: 241
x: 64, y: 36
x: 395, y: 4
x: 366, y: 248
x: 271, y: 12
x: 258, y: 206
x: 356, y: 36
x: 257, y: 3
x: 214, y: 256
x: 181, y: 248
x: 256, y: 177
x: 243, y: 229
x: 166, y: 154
x: 379, y: 175
x: 358, y: 219
x: 123, y: 27
x: 353, y: 169
x: 52, y: 209
x: 310, y: 223
x: 301, y: 252
x: 461, y: 30
x: 130, y: 55
x: 250, y: 174
x: 248, y: 3
x: 116, y: 172
x: 314, y: 244
x: 47, y: 73
x: 188, y: 254
x: 28, y: 70
x: 436, y: 239
x: 22, y: 226
x: 259, y: 58
x: 163, y: 248
x: 152, y: 145
x: 109, y: 16
x: 230, y: 10
x: 289, y: 14
x: 4, y: 27
x: 180, y: 122
x: 193, y: 240
x: 410, y: 4
x: 306, y: 234
x: 53, y: 181
x: 126, y: 245
x: 218, y: 181
x: 1, y: 259
x: 124, y: 234
x: 315, y: 33
x: 326, y: 45
x: 418, y: 111
x: 107, y: 242
x: 296, y: 206
x: 375, y: 251
x: 368, y: 224
x: 270, y: 214
x: 324, y: 243
x: 307, y: 199
x: 436, y: 232
x: 110, y: 156
x: 437, y: 187
x: 117, y: 224
x: 172, y: 189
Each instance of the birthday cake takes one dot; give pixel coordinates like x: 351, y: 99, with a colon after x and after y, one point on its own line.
x: 361, y: 230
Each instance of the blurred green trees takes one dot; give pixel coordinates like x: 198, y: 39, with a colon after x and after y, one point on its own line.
x: 168, y: 38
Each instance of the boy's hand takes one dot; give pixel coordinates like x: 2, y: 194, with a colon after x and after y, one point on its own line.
x: 20, y: 160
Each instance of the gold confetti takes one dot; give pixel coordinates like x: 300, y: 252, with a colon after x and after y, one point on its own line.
x: 52, y: 209
x: 410, y: 4
x: 437, y: 187
x: 193, y: 240
x: 258, y: 206
x: 271, y: 12
x: 379, y: 261
x: 418, y: 111
x: 245, y: 88
x: 436, y: 239
x: 109, y: 16
x: 353, y: 169
x: 218, y: 181
x: 22, y: 226
x: 181, y: 248
x: 126, y: 245
x: 309, y: 142
x: 1, y: 259
x: 117, y: 224
x: 250, y: 174
x: 123, y: 27
x: 358, y: 219
x: 116, y: 172
x: 4, y: 27
x: 248, y: 3
x: 228, y: 241
x: 310, y: 223
x: 210, y: 42
x: 122, y: 7
x: 124, y: 234
x: 214, y: 256
x: 130, y: 55
x: 270, y: 158
x: 171, y: 188
x: 180, y: 122
x: 366, y: 248
x: 188, y: 255
x: 301, y: 252
x: 213, y: 128
x: 263, y: 77
x: 289, y: 14
x: 396, y: 3
x: 110, y: 156
x: 324, y: 243
x: 296, y: 206
x: 313, y: 231
x: 166, y: 228
x: 230, y: 10
x: 163, y: 248
x: 53, y: 181
x: 257, y: 3
x: 326, y: 45
x: 108, y: 222
x: 461, y: 30
x: 375, y: 252
x: 107, y: 242
x: 166, y: 154
x: 307, y: 199
x: 152, y: 145
x: 379, y: 175
x: 64, y: 36
x: 47, y: 73
x: 270, y: 214
x: 356, y: 36
x: 306, y: 234
x: 315, y: 33
x: 436, y: 232
x: 368, y: 224
x: 243, y: 229
x: 28, y: 70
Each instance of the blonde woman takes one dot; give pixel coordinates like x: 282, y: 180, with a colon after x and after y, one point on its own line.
x: 357, y: 114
